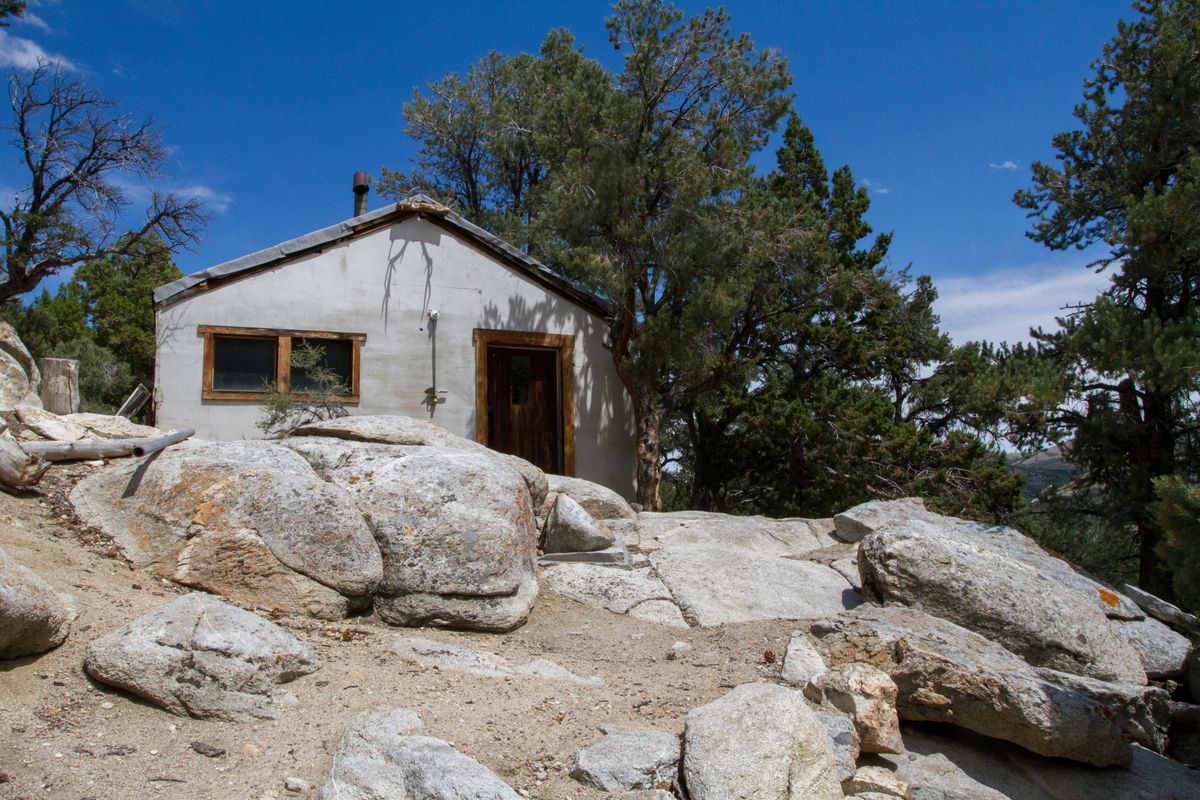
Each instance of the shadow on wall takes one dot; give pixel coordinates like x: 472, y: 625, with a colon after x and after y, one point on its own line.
x: 601, y: 422
x: 425, y: 236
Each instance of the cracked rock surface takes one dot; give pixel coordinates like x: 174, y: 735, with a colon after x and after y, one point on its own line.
x: 200, y: 657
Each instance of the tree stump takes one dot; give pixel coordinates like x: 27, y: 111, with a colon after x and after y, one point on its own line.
x: 60, y: 385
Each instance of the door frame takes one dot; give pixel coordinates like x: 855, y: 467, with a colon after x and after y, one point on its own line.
x: 564, y: 344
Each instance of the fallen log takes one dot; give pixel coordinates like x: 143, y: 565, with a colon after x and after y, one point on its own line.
x: 88, y: 449
x: 19, y: 468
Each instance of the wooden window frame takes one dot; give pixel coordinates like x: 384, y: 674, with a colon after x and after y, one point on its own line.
x: 564, y: 344
x: 283, y: 357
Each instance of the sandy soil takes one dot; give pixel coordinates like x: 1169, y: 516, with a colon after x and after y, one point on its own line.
x: 65, y: 736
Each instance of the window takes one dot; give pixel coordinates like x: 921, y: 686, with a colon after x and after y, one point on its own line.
x: 245, y: 363
x: 519, y: 380
x: 337, y: 355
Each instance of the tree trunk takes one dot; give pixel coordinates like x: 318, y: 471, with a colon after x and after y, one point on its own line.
x: 60, y: 385
x: 1156, y: 454
x: 647, y: 420
x: 1153, y: 575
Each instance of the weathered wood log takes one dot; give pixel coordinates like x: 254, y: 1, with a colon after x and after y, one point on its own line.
x: 133, y: 404
x: 88, y: 449
x: 60, y: 385
x: 19, y: 468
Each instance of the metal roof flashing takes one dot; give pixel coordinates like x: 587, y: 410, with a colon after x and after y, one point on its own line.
x: 418, y: 205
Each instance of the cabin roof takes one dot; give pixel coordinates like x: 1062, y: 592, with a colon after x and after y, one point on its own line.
x: 417, y: 205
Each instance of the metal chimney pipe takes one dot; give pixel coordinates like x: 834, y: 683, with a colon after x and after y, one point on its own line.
x: 361, y: 187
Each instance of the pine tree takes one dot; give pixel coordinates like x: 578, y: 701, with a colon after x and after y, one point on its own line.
x: 1128, y: 364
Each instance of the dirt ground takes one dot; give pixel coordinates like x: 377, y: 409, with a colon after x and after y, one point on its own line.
x: 64, y: 736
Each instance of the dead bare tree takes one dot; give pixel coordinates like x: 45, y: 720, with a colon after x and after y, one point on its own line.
x: 81, y: 157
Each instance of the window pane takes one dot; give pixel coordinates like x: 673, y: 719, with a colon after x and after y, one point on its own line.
x: 520, y: 380
x: 243, y: 365
x: 337, y: 356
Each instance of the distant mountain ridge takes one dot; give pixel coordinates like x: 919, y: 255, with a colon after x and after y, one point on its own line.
x: 1042, y: 470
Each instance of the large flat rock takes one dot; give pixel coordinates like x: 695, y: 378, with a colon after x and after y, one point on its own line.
x: 613, y: 588
x: 447, y: 655
x: 719, y: 584
x: 934, y: 565
x: 910, y: 513
x: 945, y: 764
x: 779, y: 537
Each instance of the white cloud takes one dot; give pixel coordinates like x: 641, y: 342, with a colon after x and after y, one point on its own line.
x: 1005, y: 165
x: 879, y: 188
x: 212, y: 199
x: 1004, y: 304
x: 27, y: 54
x: 29, y: 18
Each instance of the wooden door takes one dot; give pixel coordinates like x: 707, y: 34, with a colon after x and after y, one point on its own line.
x: 524, y: 398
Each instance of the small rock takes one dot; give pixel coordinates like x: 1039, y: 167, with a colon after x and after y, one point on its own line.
x: 599, y: 501
x: 878, y: 780
x: 625, y: 760
x: 297, y: 785
x: 376, y: 758
x: 842, y: 733
x: 758, y: 742
x: 802, y: 663
x: 570, y: 529
x: 853, y: 525
x: 868, y: 695
x: 208, y: 750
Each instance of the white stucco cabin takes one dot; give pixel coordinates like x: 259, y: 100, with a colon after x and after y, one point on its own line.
x: 409, y: 303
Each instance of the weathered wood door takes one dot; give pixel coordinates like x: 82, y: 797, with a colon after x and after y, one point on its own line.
x: 524, y: 397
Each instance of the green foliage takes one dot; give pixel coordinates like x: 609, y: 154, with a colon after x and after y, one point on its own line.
x: 853, y: 393
x: 1118, y: 378
x: 11, y: 8
x: 1077, y: 524
x: 104, y: 317
x: 105, y: 379
x: 284, y: 411
x: 1178, y: 514
x: 626, y: 181
x: 762, y: 340
x: 117, y: 293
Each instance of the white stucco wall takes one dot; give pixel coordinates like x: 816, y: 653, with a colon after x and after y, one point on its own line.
x: 382, y: 284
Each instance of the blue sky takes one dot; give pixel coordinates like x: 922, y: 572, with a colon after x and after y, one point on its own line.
x: 938, y: 107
